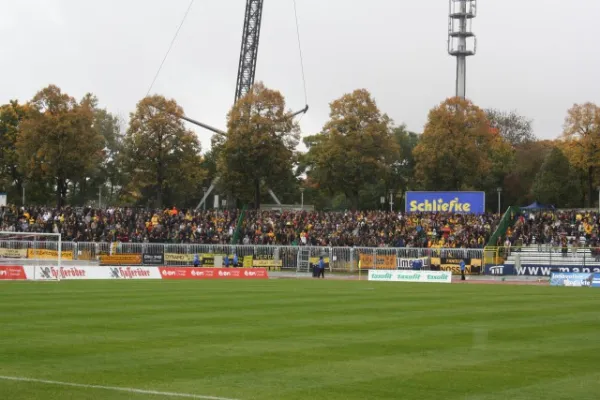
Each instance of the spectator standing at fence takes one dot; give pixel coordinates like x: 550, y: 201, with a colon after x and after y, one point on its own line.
x: 321, y: 268
x: 417, y: 264
x: 507, y: 246
x: 196, y: 261
x: 226, y: 261
x: 235, y: 261
x: 462, y: 270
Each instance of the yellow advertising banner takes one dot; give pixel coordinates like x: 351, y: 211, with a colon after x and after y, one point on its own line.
x: 381, y: 261
x: 13, y: 253
x: 267, y: 263
x: 121, y: 259
x: 208, y: 260
x: 472, y: 265
x: 85, y: 255
x: 43, y: 254
x: 182, y: 258
x: 248, y: 260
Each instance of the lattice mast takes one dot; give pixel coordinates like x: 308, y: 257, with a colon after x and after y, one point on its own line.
x: 462, y: 42
x: 249, y: 51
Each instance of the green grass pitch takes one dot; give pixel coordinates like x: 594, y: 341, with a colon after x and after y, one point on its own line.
x: 299, y: 339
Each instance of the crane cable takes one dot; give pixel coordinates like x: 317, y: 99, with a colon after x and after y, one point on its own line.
x: 170, y: 47
x: 300, y: 50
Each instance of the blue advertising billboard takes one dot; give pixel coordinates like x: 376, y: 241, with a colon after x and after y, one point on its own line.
x: 571, y: 279
x: 539, y: 270
x: 446, y: 202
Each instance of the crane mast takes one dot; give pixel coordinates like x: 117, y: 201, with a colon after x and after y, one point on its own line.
x: 249, y: 51
x: 245, y: 78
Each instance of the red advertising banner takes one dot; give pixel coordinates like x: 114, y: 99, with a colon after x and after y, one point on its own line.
x: 12, y: 272
x: 213, y: 273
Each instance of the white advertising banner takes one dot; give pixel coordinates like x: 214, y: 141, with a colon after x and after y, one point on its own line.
x: 407, y: 263
x: 134, y: 273
x: 80, y: 273
x: 410, y: 276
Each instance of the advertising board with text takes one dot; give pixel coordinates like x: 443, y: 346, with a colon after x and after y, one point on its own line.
x: 407, y: 263
x: 445, y: 202
x: 537, y: 270
x: 372, y: 261
x: 121, y: 259
x: 44, y: 254
x: 12, y: 273
x: 472, y: 265
x: 267, y: 261
x: 89, y: 273
x: 13, y: 253
x: 153, y: 259
x: 213, y: 273
x: 410, y: 276
x: 571, y: 279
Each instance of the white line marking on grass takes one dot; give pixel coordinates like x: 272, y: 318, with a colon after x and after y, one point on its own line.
x: 113, y: 388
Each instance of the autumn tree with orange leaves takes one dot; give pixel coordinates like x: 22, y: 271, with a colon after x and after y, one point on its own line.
x: 581, y: 135
x: 458, y: 149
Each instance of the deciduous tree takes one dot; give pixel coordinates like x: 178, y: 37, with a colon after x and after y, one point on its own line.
x: 582, y: 136
x: 57, y: 140
x: 514, y: 128
x: 260, y: 145
x: 160, y: 156
x: 11, y: 178
x: 355, y: 148
x: 556, y: 182
x: 455, y: 148
x: 526, y: 163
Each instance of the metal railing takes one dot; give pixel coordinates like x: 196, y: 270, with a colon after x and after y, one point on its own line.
x: 341, y: 259
x: 543, y: 254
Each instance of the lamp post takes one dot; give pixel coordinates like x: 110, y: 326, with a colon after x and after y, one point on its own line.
x: 499, y: 190
x: 391, y: 200
x: 382, y: 199
x: 302, y: 198
x: 598, y: 198
x: 204, y: 204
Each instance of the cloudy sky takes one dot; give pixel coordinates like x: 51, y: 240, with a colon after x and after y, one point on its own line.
x: 535, y: 56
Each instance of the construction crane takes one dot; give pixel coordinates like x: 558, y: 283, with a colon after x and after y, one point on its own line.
x: 245, y: 76
x: 249, y: 51
x: 246, y: 72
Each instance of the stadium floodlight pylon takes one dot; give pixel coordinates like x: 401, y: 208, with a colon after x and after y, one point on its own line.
x: 30, y: 248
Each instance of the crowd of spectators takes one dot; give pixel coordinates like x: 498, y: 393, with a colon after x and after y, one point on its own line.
x: 555, y: 229
x: 301, y: 228
x: 552, y: 229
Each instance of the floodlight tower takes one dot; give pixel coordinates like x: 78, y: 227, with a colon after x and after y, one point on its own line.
x: 461, y: 39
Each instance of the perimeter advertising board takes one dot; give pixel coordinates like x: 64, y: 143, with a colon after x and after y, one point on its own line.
x: 410, y: 276
x: 571, y: 279
x: 445, y: 202
x: 537, y: 270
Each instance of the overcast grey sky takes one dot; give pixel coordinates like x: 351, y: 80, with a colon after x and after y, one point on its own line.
x: 536, y: 56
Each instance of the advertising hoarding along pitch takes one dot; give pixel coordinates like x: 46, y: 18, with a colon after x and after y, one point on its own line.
x: 153, y: 259
x: 571, y: 279
x: 213, y: 273
x: 410, y: 276
x: 446, y: 202
x: 12, y: 273
x: 121, y: 259
x: 538, y: 270
x: 13, y: 253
